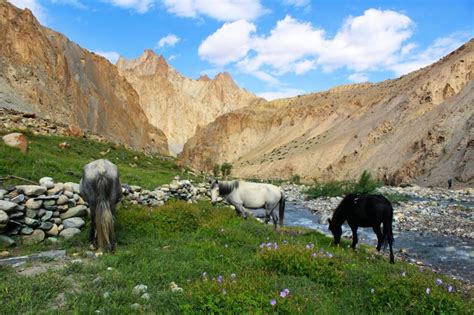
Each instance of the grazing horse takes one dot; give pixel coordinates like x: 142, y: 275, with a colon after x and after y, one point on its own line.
x: 100, y: 187
x: 244, y: 195
x: 364, y: 211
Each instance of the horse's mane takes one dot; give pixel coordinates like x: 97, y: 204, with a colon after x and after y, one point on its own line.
x: 346, y: 203
x: 226, y: 188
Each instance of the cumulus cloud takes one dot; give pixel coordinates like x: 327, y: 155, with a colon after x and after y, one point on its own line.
x: 168, y: 40
x: 112, y: 56
x: 34, y: 5
x: 439, y: 48
x: 228, y: 44
x: 283, y: 93
x: 221, y: 10
x: 358, y: 77
x: 140, y: 6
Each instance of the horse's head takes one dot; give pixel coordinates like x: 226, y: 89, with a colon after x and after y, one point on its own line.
x: 336, y: 231
x: 214, y: 191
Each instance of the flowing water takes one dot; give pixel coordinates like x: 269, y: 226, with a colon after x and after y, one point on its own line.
x: 450, y: 254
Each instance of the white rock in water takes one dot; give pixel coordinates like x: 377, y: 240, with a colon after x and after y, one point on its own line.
x: 68, y: 233
x: 73, y: 223
x: 31, y: 190
x: 7, y: 206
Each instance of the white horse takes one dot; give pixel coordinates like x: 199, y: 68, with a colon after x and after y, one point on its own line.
x: 244, y: 195
x: 100, y: 187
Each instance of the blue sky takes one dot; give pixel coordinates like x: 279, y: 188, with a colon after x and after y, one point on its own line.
x: 273, y: 48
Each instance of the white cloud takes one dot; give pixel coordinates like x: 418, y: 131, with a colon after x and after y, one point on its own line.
x: 358, y: 77
x: 298, y: 3
x: 222, y: 10
x: 283, y: 93
x: 439, y: 48
x: 112, y: 56
x: 168, y: 40
x: 34, y: 5
x: 228, y: 44
x: 366, y: 42
x: 141, y: 6
x: 74, y: 3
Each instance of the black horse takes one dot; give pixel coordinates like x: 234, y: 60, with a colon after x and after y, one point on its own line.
x: 100, y: 187
x: 364, y: 211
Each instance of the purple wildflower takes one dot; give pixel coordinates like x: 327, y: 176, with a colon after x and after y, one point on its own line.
x: 439, y: 281
x: 428, y: 290
x: 273, y: 302
x: 284, y: 293
x: 450, y: 288
x: 314, y: 254
x: 220, y: 279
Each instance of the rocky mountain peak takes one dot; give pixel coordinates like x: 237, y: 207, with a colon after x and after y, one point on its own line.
x: 149, y: 63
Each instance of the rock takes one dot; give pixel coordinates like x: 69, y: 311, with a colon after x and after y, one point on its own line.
x: 26, y: 230
x: 16, y: 140
x: 16, y: 215
x: 69, y: 194
x: 33, y: 204
x: 135, y: 307
x: 46, y: 226
x: 145, y: 296
x: 68, y: 233
x: 106, y: 295
x: 73, y: 223
x: 31, y: 190
x: 139, y: 289
x: 63, y: 199
x: 58, y: 188
x: 7, y: 206
x: 135, y: 188
x: 77, y: 211
x: 41, y: 212
x: 72, y: 187
x: 3, y: 220
x: 31, y: 213
x: 6, y: 241
x: 36, y: 237
x: 49, y: 203
x: 74, y: 131
x: 18, y: 199
x: 52, y: 239
x: 54, y: 231
x: 32, y: 222
x: 48, y: 215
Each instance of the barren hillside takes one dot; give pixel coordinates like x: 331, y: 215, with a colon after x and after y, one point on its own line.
x: 44, y: 72
x: 179, y: 105
x: 418, y: 127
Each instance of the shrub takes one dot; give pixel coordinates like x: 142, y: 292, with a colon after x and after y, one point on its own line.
x: 226, y: 168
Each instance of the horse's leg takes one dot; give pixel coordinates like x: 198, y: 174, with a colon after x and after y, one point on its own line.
x: 355, y: 239
x: 377, y: 231
x: 275, y: 218
x: 92, y: 238
x: 268, y: 212
x: 241, y: 211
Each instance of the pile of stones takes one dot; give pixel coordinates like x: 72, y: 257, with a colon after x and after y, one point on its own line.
x: 177, y: 189
x: 39, y: 212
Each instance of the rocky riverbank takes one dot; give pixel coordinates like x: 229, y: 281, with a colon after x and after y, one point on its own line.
x: 426, y: 210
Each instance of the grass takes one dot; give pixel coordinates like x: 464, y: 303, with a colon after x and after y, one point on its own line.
x: 366, y: 184
x: 45, y: 158
x: 195, y: 244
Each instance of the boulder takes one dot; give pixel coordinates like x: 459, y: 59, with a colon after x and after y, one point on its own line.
x: 34, y: 238
x: 68, y: 233
x: 77, y: 211
x: 7, y: 206
x: 74, y: 131
x: 32, y: 190
x: 16, y: 140
x: 73, y: 223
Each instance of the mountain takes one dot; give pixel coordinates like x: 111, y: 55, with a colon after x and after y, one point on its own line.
x: 179, y: 105
x: 417, y: 128
x: 44, y: 72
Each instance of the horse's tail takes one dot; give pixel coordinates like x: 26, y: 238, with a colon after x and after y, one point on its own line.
x: 104, y: 220
x: 281, y: 211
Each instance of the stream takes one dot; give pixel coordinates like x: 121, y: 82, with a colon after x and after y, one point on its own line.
x: 449, y: 254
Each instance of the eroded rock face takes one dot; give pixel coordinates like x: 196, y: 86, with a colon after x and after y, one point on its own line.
x: 58, y: 79
x: 415, y: 128
x: 178, y: 105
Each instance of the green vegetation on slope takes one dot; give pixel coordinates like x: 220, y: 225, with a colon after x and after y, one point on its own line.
x: 227, y: 265
x: 46, y: 158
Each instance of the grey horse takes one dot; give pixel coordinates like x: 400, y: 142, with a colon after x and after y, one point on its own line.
x: 100, y: 187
